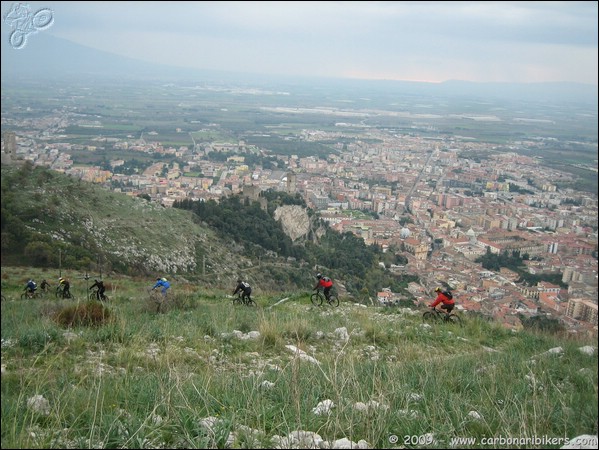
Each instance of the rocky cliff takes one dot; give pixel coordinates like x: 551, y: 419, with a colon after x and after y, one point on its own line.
x: 297, y: 223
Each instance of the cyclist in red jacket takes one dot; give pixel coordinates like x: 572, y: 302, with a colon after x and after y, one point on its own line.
x: 444, y: 297
x: 326, y: 283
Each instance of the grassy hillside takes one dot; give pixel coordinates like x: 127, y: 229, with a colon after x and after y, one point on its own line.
x: 54, y: 221
x: 205, y: 374
x: 49, y: 218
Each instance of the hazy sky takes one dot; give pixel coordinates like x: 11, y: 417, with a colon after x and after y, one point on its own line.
x: 420, y: 41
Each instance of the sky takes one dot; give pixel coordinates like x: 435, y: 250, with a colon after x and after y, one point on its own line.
x: 412, y: 40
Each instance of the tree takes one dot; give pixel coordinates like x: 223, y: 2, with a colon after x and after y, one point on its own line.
x: 39, y: 253
x: 542, y: 323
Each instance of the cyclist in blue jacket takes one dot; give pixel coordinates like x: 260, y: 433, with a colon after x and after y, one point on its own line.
x: 30, y: 287
x: 162, y: 282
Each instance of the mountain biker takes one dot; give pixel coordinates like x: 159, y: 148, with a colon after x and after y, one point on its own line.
x: 100, y: 292
x: 45, y: 286
x: 245, y: 288
x: 66, y: 287
x: 162, y: 282
x: 30, y: 287
x: 444, y: 297
x: 326, y: 283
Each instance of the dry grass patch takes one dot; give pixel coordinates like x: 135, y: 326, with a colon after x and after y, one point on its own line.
x: 92, y: 313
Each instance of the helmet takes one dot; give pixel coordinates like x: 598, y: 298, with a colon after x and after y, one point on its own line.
x: 437, y: 289
x: 319, y: 276
x: 30, y: 280
x: 158, y: 279
x: 61, y: 279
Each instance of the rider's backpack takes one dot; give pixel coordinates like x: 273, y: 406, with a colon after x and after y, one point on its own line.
x: 448, y: 294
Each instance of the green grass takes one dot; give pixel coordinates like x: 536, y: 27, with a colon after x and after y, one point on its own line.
x: 148, y: 380
x: 211, y: 136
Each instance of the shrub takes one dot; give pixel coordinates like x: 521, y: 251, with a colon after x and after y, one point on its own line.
x: 92, y: 313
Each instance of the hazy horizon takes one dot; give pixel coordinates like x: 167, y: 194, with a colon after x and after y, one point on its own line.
x: 512, y: 42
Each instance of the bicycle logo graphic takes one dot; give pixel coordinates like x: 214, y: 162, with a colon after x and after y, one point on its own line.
x: 26, y: 22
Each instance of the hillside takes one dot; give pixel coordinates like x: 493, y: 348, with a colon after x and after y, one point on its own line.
x: 52, y: 220
x: 285, y: 374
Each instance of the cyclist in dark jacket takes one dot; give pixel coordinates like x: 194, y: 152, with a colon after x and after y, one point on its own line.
x: 45, y: 286
x: 65, y: 285
x: 245, y: 288
x: 101, y: 289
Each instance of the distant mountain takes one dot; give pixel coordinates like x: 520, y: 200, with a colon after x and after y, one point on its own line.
x: 46, y: 56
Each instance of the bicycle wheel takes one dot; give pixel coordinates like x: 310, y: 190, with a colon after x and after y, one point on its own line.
x: 429, y: 317
x: 17, y: 39
x: 453, y: 319
x: 250, y: 302
x: 24, y: 296
x: 316, y: 299
x: 43, y: 19
x: 334, y: 300
x: 237, y: 301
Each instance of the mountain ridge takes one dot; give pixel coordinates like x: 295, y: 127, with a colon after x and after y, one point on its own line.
x: 46, y: 56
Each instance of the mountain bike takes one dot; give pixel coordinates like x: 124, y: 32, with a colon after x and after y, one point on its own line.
x: 434, y: 315
x: 60, y: 293
x: 30, y: 294
x: 239, y: 300
x: 317, y: 298
x: 95, y: 295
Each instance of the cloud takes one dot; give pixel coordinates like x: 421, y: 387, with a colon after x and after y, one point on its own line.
x: 478, y: 41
